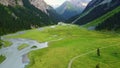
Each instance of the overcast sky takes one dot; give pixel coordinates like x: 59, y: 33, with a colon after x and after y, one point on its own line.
x: 56, y: 3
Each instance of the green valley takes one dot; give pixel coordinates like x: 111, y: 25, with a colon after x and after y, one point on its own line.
x: 68, y: 41
x: 59, y: 34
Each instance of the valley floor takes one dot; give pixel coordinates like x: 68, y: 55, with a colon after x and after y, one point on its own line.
x: 71, y: 46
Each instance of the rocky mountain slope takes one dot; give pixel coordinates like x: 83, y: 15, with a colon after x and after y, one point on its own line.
x: 40, y: 4
x: 11, y: 2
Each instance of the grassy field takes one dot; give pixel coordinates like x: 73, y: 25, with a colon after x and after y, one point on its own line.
x: 2, y: 58
x: 74, y: 41
x: 22, y: 46
x: 7, y: 43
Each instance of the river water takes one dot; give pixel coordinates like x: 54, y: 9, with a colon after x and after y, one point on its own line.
x: 18, y: 58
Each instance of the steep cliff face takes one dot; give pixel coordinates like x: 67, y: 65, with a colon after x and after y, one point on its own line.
x: 40, y: 4
x: 95, y: 9
x: 11, y: 2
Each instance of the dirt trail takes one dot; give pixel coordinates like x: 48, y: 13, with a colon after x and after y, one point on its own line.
x: 74, y: 58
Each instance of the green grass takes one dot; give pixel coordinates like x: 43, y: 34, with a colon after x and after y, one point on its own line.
x: 22, y: 46
x: 2, y: 58
x: 48, y: 33
x: 103, y: 18
x: 75, y: 41
x: 7, y: 43
x: 109, y: 59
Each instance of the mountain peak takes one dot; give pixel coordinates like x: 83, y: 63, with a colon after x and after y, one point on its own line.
x: 71, y: 7
x: 79, y: 3
x: 68, y: 5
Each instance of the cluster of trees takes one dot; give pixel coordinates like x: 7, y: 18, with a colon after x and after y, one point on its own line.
x: 113, y: 23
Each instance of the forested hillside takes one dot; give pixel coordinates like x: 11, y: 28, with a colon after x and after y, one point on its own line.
x: 112, y: 23
x: 18, y: 18
x: 94, y: 10
x: 109, y: 21
x: 15, y: 17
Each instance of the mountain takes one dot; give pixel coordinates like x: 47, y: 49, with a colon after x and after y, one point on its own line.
x: 71, y: 8
x: 41, y: 5
x: 52, y: 13
x: 108, y: 21
x: 94, y: 10
x: 22, y: 14
x: 111, y: 23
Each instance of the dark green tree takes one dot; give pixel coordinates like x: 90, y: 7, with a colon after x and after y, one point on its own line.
x: 0, y: 42
x: 98, y: 52
x: 97, y: 66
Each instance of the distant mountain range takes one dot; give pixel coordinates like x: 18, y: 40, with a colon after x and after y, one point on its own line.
x: 71, y: 8
x: 105, y: 12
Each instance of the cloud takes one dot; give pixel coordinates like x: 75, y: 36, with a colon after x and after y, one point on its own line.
x: 54, y: 3
x: 84, y: 4
x: 57, y: 3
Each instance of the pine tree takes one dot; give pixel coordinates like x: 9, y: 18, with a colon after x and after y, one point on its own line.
x: 0, y: 42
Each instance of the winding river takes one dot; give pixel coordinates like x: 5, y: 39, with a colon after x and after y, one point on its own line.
x: 18, y: 58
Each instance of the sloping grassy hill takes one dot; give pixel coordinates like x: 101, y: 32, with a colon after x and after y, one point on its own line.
x: 103, y: 18
x: 68, y: 41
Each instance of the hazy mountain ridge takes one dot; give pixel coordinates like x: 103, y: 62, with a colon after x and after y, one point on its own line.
x: 71, y: 8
